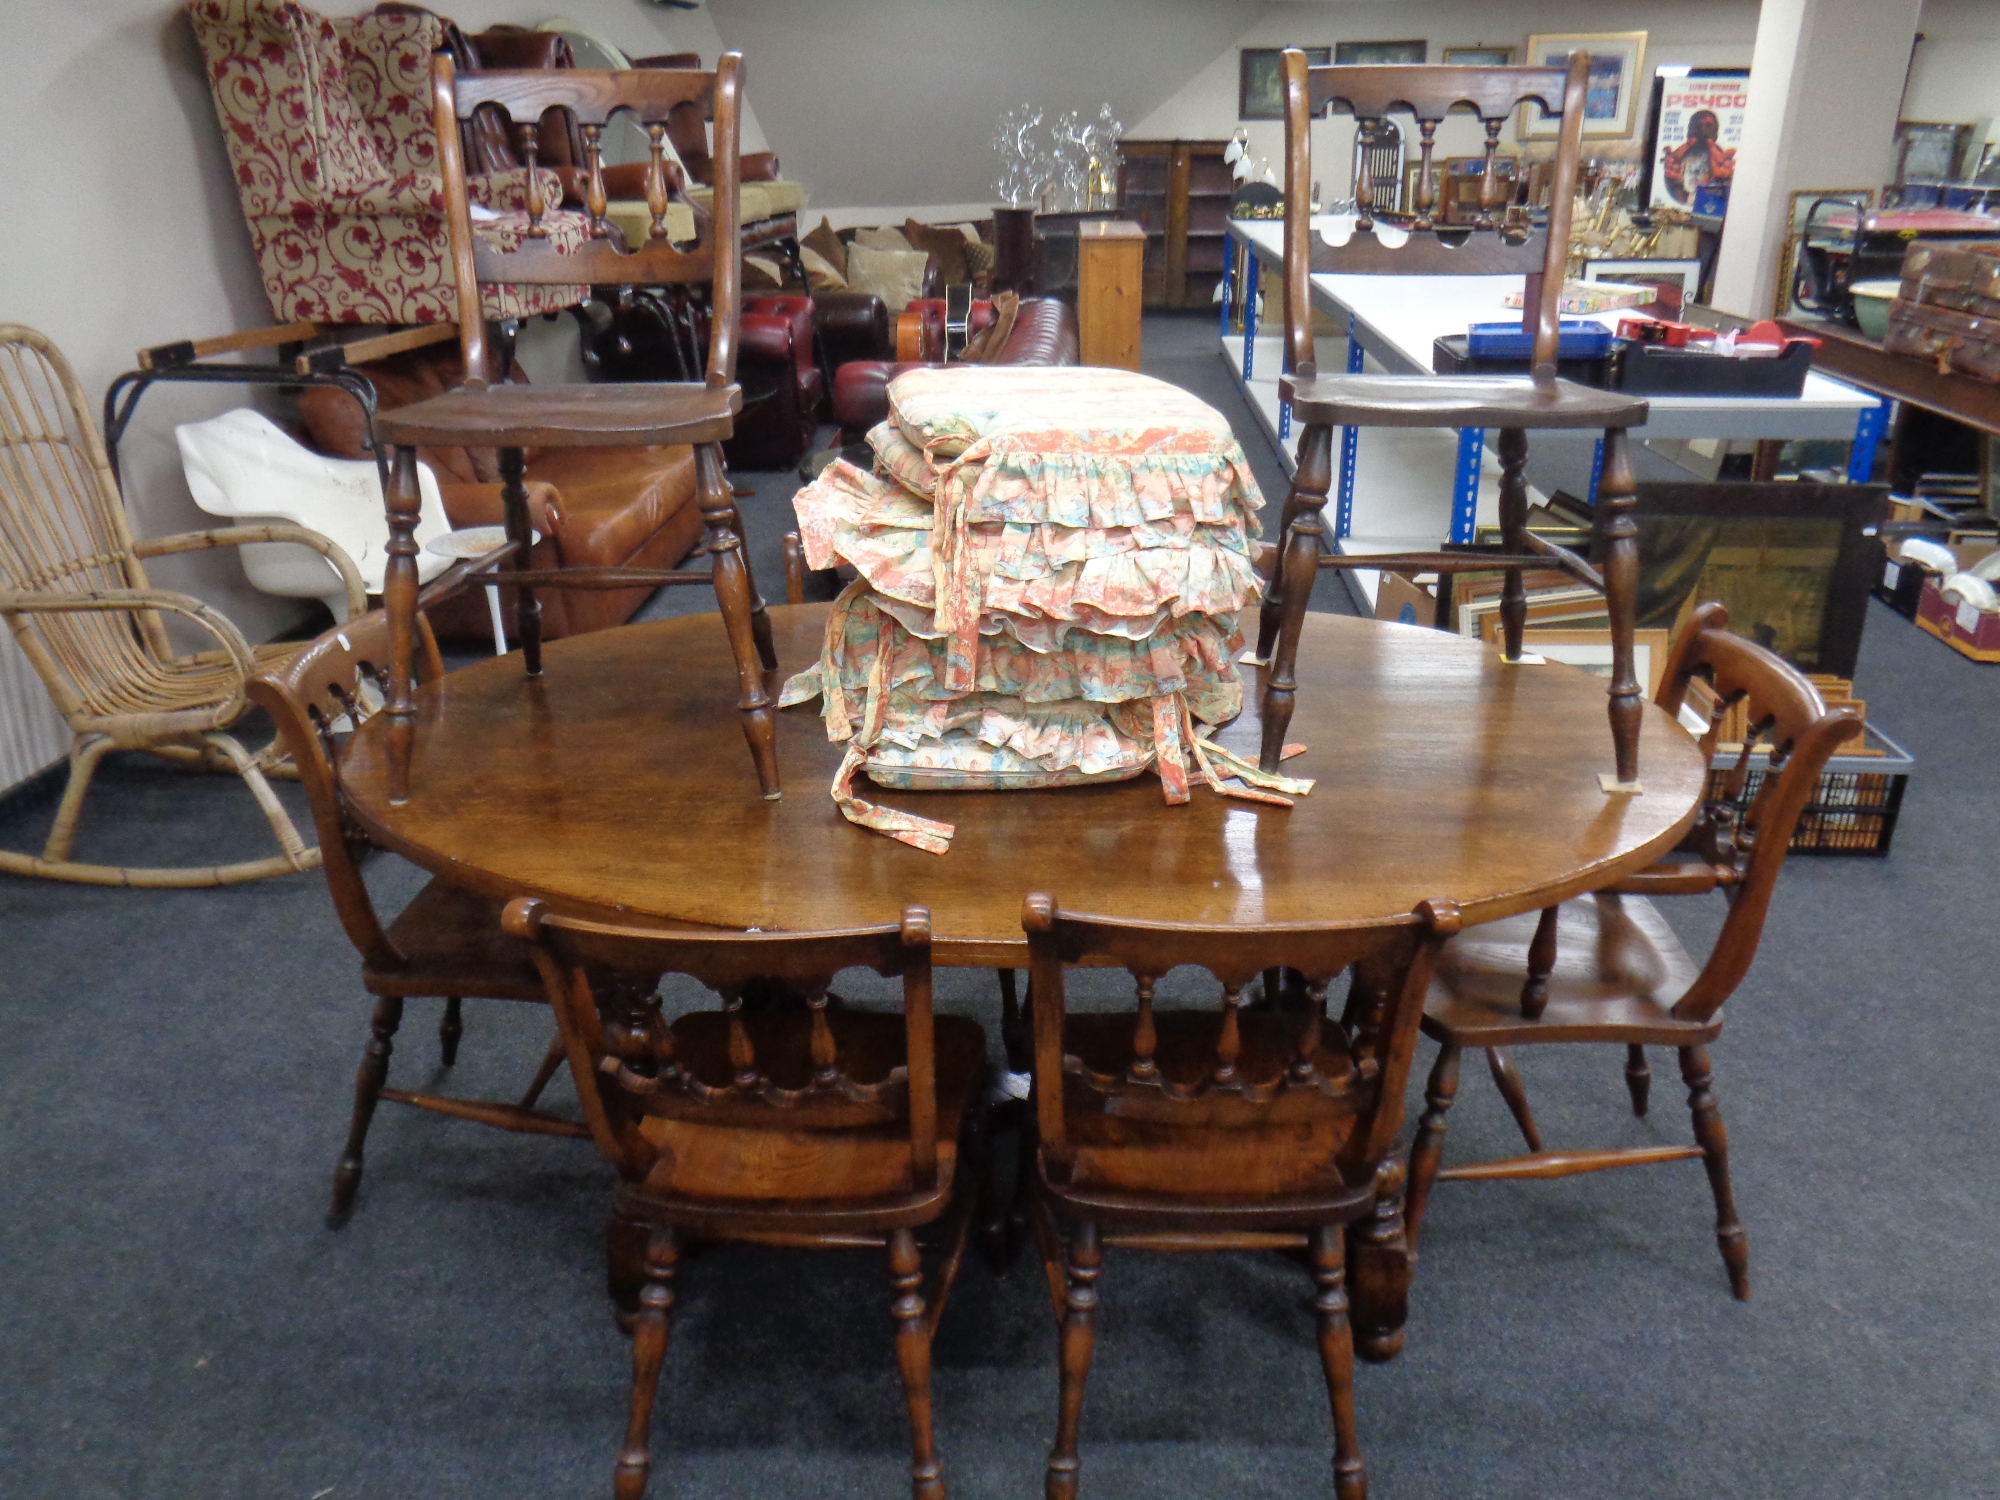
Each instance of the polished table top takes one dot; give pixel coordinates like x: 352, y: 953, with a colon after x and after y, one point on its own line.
x: 620, y: 779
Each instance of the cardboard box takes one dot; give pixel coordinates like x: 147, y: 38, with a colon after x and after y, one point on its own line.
x: 1902, y: 584
x: 1968, y: 631
x: 1400, y: 598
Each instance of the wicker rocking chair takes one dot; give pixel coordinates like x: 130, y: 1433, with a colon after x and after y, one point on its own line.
x: 73, y: 590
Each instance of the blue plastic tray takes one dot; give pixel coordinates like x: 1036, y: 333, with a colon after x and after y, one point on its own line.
x: 1580, y: 338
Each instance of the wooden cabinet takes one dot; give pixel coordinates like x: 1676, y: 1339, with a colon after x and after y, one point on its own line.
x: 1108, y: 293
x: 1179, y: 192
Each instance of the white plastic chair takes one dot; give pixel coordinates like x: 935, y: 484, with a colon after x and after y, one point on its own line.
x: 242, y: 466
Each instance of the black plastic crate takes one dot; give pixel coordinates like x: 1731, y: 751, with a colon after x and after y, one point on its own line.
x: 1854, y: 808
x: 1653, y: 370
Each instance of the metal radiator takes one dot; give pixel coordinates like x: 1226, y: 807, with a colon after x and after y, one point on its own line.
x: 32, y: 734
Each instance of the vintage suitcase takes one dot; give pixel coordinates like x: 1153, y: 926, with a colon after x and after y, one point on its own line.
x: 1964, y: 277
x: 1948, y: 310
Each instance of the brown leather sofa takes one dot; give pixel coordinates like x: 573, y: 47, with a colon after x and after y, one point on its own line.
x: 1044, y: 333
x: 781, y: 380
x: 611, y: 507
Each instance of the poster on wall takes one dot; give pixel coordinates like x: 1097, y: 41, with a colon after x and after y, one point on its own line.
x: 1701, y: 126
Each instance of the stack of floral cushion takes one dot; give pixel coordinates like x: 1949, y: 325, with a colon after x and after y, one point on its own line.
x: 1051, y: 564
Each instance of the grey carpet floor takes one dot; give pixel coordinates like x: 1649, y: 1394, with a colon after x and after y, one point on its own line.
x: 176, y: 1322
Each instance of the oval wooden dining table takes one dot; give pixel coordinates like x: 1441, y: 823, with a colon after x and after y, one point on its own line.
x: 617, y: 780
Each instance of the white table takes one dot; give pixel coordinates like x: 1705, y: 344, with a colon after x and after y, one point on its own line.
x: 1396, y: 320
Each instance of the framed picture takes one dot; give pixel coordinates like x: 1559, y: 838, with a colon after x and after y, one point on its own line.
x: 1792, y: 561
x: 1617, y: 64
x: 1260, y: 94
x: 1678, y: 282
x: 1695, y: 139
x: 1591, y: 650
x: 1577, y: 607
x: 1376, y: 54
x: 1782, y: 299
x: 1480, y: 57
x: 1929, y: 151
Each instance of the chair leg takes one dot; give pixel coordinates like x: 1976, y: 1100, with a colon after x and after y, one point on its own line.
x: 450, y: 1029
x: 1336, y: 1357
x: 1299, y: 567
x: 1513, y: 447
x: 1379, y: 1262
x: 368, y: 1081
x: 1714, y: 1141
x: 913, y: 1357
x: 552, y: 1059
x: 241, y: 761
x: 760, y: 619
x: 1429, y: 1148
x: 1079, y: 1340
x: 1006, y: 1221
x: 527, y: 608
x: 1274, y: 589
x: 741, y: 610
x: 1638, y: 1078
x: 1541, y: 959
x: 84, y: 756
x: 1501, y: 1063
x: 649, y: 1353
x: 1618, y: 560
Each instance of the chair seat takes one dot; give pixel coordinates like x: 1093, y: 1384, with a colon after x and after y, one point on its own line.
x: 1619, y: 970
x: 454, y: 946
x: 1457, y: 401
x: 1130, y: 1144
x: 708, y: 1166
x: 567, y: 416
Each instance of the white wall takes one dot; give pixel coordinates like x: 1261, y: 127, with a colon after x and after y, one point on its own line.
x: 123, y: 229
x: 1955, y: 74
x: 893, y: 102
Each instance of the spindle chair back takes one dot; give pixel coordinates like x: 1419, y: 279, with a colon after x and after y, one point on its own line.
x: 545, y: 245
x: 445, y: 944
x: 785, y: 1117
x: 1264, y: 1128
x: 1500, y: 240
x: 1606, y: 968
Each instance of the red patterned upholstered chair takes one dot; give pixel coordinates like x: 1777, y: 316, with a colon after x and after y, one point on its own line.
x: 327, y: 124
x: 329, y: 128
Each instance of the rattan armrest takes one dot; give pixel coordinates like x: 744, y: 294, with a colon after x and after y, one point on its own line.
x: 107, y: 601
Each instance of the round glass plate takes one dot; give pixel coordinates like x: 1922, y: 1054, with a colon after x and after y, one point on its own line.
x: 472, y: 542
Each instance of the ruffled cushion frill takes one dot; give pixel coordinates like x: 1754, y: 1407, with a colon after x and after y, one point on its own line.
x: 1044, y: 582
x: 1052, y: 564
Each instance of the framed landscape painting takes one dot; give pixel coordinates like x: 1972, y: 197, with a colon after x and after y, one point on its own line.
x: 1260, y: 95
x: 1611, y: 106
x: 1480, y: 57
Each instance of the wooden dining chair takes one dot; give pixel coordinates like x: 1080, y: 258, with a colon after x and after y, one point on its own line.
x: 1491, y: 245
x: 446, y: 943
x: 1606, y: 968
x: 74, y: 593
x: 488, y: 411
x: 1176, y: 1129
x: 809, y: 1124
